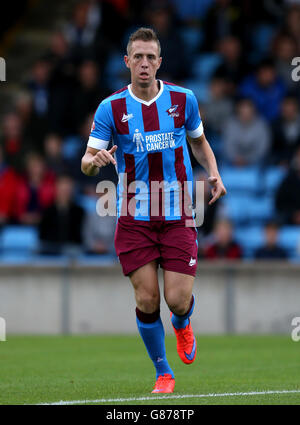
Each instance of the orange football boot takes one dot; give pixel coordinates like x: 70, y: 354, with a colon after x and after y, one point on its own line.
x: 164, y: 384
x: 186, y: 343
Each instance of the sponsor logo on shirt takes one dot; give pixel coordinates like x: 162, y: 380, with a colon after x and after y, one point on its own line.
x: 153, y: 141
x: 160, y: 141
x: 138, y: 139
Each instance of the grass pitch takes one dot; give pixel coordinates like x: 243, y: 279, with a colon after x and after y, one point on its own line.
x: 47, y: 369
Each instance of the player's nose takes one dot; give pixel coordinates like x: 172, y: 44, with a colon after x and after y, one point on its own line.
x: 145, y: 63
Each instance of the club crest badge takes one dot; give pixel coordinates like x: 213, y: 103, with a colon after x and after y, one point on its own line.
x: 173, y: 111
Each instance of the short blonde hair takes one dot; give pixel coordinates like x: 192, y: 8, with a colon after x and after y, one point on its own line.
x: 144, y: 34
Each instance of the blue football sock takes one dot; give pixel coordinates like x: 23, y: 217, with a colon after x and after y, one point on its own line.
x: 180, y: 322
x: 153, y: 336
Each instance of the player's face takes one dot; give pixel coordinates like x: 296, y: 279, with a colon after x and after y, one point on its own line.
x: 143, y: 61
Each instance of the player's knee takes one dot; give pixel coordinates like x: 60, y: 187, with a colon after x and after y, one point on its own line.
x: 178, y: 309
x: 148, y: 302
x: 178, y: 305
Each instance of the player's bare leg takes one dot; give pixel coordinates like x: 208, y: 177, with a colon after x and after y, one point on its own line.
x: 178, y: 295
x: 146, y: 289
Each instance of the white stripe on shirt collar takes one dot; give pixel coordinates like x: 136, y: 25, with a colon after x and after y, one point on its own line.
x: 144, y: 101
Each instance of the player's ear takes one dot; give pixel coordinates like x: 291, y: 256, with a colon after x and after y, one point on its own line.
x: 126, y: 59
x: 159, y: 62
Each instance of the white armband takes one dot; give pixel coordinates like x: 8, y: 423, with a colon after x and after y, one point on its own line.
x: 97, y: 143
x: 197, y: 132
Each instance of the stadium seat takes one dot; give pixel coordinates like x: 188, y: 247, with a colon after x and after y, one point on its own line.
x: 248, y: 209
x: 71, y: 147
x: 88, y: 203
x: 241, y: 180
x: 205, y: 65
x: 260, y: 209
x: 15, y: 257
x: 262, y: 36
x: 188, y: 10
x: 271, y: 179
x: 236, y: 208
x: 289, y: 239
x: 21, y: 239
x: 250, y: 238
x: 192, y: 38
x: 114, y: 72
x: 200, y: 89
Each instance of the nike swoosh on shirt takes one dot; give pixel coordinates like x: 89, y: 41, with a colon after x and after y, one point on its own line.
x: 192, y: 353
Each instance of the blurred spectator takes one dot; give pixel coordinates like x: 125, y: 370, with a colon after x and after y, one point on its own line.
x: 223, y: 19
x: 271, y: 250
x: 234, y: 65
x: 12, y: 139
x: 288, y: 194
x: 224, y: 245
x: 59, y: 56
x: 23, y: 106
x: 173, y: 67
x: 292, y: 26
x: 286, y: 131
x: 54, y: 155
x: 38, y: 85
x: 98, y: 232
x: 219, y: 107
x: 61, y: 223
x: 8, y: 187
x: 81, y: 30
x: 284, y: 50
x: 246, y: 136
x: 58, y: 47
x: 34, y: 125
x: 191, y: 11
x: 62, y: 83
x: 35, y: 190
x: 74, y: 152
x: 11, y: 134
x: 87, y: 95
x: 266, y: 90
x: 44, y: 105
x: 11, y: 16
x: 123, y: 14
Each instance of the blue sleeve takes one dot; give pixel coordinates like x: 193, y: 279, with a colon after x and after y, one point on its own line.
x: 193, y: 122
x: 101, y: 132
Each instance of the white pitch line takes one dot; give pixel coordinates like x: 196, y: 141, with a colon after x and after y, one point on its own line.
x: 168, y: 397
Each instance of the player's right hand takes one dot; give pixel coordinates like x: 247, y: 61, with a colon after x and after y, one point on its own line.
x: 104, y: 157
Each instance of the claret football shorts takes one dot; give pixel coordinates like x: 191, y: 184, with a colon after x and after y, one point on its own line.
x: 171, y: 243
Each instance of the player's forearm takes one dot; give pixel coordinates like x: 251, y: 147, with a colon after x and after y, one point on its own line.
x: 87, y: 167
x: 205, y: 156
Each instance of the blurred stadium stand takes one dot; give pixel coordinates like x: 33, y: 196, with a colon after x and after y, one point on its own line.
x: 250, y: 202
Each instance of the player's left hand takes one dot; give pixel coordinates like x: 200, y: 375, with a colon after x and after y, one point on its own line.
x: 218, y: 189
